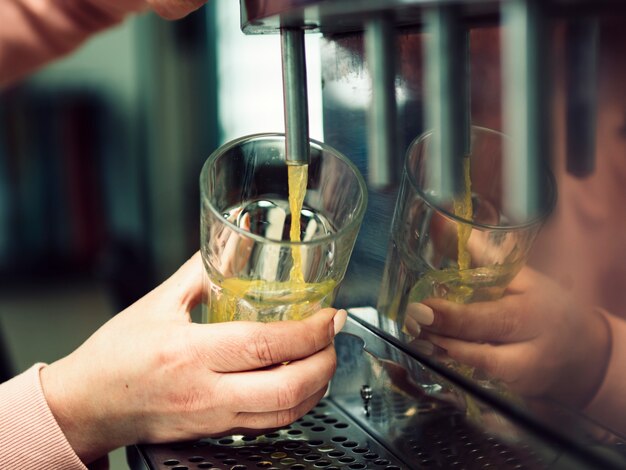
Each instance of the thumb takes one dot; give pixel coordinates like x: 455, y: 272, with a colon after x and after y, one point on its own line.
x: 186, y: 284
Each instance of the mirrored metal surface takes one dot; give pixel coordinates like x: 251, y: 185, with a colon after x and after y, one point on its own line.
x: 428, y: 414
x: 345, y: 16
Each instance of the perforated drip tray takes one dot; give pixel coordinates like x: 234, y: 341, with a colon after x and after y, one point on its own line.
x: 432, y: 434
x: 326, y: 438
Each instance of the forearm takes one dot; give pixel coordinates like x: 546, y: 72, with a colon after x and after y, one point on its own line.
x: 36, y: 31
x: 31, y: 437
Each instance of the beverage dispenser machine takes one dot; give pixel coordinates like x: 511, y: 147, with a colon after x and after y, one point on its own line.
x: 392, y: 69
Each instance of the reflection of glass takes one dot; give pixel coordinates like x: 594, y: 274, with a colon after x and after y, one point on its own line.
x: 245, y: 225
x: 428, y: 233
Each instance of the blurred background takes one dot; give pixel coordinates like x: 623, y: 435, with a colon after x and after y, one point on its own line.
x: 100, y: 156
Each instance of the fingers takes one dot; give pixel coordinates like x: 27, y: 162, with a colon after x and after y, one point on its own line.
x: 444, y: 235
x: 278, y: 419
x: 283, y: 387
x: 236, y: 251
x: 175, y: 9
x: 498, y: 321
x: 244, y: 346
x: 503, y: 362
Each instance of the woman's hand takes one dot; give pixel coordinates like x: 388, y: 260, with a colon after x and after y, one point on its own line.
x: 175, y: 9
x: 168, y: 9
x: 537, y: 338
x: 150, y: 375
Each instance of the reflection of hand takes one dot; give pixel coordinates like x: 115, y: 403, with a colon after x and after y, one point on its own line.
x: 536, y: 338
x: 150, y: 375
x: 509, y: 249
x: 231, y: 250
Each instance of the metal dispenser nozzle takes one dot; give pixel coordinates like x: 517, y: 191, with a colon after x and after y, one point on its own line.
x: 383, y: 164
x: 296, y: 106
x: 581, y: 94
x: 526, y: 110
x: 447, y: 96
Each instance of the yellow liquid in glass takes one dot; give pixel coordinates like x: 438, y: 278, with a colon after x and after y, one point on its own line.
x: 255, y: 300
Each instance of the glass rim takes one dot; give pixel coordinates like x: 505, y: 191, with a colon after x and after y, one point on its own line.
x: 536, y: 220
x: 281, y: 136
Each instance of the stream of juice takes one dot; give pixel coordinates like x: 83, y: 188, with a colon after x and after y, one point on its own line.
x: 297, y: 176
x: 463, y: 209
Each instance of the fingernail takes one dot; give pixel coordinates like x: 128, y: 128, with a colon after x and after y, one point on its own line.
x: 412, y: 326
x: 339, y: 320
x: 421, y: 313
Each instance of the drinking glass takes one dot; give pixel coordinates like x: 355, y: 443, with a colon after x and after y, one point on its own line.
x: 448, y: 248
x: 246, y: 248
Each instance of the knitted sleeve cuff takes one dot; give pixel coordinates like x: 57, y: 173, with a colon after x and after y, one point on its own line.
x: 31, y: 437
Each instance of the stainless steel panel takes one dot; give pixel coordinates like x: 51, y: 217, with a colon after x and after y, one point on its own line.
x: 447, y: 96
x: 526, y: 80
x: 380, y: 51
x: 346, y: 92
x: 295, y: 102
x: 345, y: 16
x: 582, y: 42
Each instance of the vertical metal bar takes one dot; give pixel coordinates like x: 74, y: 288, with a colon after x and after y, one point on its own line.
x: 383, y: 162
x: 526, y: 111
x: 581, y: 94
x: 296, y: 106
x: 447, y: 96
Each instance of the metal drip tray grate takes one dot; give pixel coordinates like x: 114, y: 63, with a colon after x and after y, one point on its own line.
x: 431, y: 434
x: 326, y: 438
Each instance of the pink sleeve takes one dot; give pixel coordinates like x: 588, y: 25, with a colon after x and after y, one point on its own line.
x: 34, y: 32
x: 30, y: 436
x: 608, y: 407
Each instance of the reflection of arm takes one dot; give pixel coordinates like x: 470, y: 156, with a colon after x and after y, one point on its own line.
x: 31, y: 437
x: 34, y: 32
x: 609, y: 404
